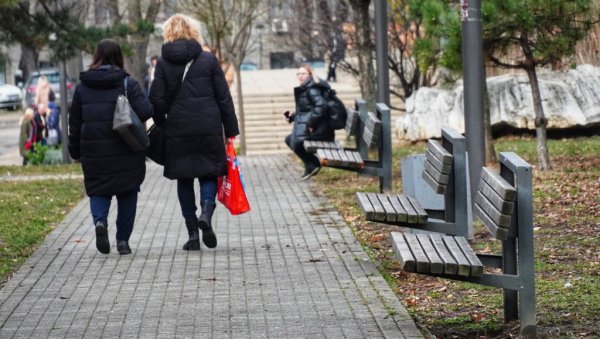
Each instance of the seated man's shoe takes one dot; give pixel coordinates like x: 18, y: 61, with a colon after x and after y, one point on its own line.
x: 123, y: 247
x: 310, y: 172
x: 102, y: 243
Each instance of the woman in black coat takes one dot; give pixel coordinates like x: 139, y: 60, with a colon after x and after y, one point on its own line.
x: 196, y: 111
x: 310, y: 119
x: 110, y: 167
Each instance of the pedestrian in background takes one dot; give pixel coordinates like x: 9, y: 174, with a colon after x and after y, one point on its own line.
x: 310, y: 118
x: 110, y: 167
x: 53, y: 124
x: 196, y: 110
x: 43, y: 92
x: 27, y: 134
x: 40, y: 119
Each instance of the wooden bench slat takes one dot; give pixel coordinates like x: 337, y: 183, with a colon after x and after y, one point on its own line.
x: 390, y: 212
x: 379, y: 210
x: 366, y: 206
x: 423, y: 264
x: 403, y: 253
x: 498, y: 232
x: 322, y: 157
x: 501, y: 220
x: 476, y: 265
x: 450, y: 265
x: 401, y: 214
x: 503, y: 206
x: 437, y: 163
x: 440, y: 178
x: 438, y: 151
x: 437, y: 265
x: 464, y: 267
x: 421, y: 213
x: 435, y: 186
x: 498, y: 184
x: 411, y: 215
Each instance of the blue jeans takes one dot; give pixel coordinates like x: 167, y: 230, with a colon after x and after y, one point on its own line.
x: 187, y: 197
x: 126, y: 210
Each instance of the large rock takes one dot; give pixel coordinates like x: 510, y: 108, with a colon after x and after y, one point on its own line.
x: 570, y: 99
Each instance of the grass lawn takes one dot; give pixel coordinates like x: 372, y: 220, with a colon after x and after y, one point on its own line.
x: 567, y: 248
x: 31, y: 209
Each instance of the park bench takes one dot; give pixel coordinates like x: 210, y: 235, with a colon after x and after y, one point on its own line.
x: 503, y: 203
x: 445, y: 171
x: 352, y: 117
x: 373, y: 130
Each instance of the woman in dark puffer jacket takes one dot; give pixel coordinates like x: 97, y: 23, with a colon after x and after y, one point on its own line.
x: 195, y: 113
x: 310, y: 119
x: 110, y: 167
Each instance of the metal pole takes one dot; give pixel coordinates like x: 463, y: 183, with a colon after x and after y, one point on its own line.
x: 381, y: 49
x: 64, y: 113
x: 474, y: 82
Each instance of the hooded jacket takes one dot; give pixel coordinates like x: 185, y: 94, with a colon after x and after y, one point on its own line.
x: 311, y: 112
x: 109, y: 165
x: 195, y: 121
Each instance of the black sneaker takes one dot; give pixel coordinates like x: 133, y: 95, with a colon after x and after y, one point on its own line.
x: 310, y: 172
x: 123, y: 247
x: 102, y: 243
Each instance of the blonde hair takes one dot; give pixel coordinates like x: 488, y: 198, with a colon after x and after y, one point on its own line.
x: 27, y: 114
x: 181, y: 27
x: 310, y: 71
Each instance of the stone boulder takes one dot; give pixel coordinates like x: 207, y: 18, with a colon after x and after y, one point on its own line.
x: 570, y: 99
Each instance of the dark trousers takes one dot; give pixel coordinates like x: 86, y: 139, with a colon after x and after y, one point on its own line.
x: 126, y: 210
x: 310, y: 160
x: 187, y: 196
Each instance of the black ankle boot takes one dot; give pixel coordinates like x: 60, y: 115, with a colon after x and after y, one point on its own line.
x: 193, y: 244
x: 204, y: 222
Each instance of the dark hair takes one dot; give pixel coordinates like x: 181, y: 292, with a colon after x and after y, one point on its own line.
x: 108, y: 52
x: 154, y: 57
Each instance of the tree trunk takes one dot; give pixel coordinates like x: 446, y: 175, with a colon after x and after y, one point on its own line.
x: 540, y: 120
x: 365, y: 48
x: 240, y: 110
x: 139, y: 39
x: 29, y: 60
x: 490, y: 152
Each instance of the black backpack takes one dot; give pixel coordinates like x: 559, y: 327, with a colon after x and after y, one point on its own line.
x: 336, y: 109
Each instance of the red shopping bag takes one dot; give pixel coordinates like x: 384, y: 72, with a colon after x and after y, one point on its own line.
x: 231, y: 187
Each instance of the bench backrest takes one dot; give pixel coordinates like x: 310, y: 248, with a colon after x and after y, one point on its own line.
x: 497, y: 196
x: 372, y: 130
x: 445, y: 170
x: 351, y: 120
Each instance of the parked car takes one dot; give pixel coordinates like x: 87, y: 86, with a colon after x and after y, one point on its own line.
x: 248, y: 66
x: 53, y: 76
x: 10, y: 96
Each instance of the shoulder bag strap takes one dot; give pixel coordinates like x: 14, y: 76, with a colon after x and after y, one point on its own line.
x: 176, y: 92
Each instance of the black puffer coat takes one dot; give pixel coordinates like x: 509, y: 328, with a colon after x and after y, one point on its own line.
x: 109, y: 166
x: 197, y: 119
x: 311, y: 111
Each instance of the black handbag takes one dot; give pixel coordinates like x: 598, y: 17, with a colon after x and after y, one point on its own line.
x: 156, y: 151
x: 129, y: 125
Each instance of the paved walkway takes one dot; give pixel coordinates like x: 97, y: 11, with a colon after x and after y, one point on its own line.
x: 290, y: 268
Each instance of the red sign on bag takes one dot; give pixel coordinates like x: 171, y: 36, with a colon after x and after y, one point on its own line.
x: 231, y: 191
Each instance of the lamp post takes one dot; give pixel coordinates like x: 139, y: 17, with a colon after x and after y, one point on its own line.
x: 64, y: 109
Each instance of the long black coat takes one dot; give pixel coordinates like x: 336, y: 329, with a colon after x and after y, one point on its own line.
x: 109, y: 165
x: 196, y: 120
x: 311, y: 111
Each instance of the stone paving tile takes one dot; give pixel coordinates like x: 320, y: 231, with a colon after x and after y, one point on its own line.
x: 290, y: 268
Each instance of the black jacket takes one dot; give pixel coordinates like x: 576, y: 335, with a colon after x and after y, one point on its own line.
x: 203, y: 111
x: 109, y: 166
x: 311, y: 111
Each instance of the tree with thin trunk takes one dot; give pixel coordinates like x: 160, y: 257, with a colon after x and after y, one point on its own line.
x: 229, y: 25
x: 364, y: 49
x: 528, y: 34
